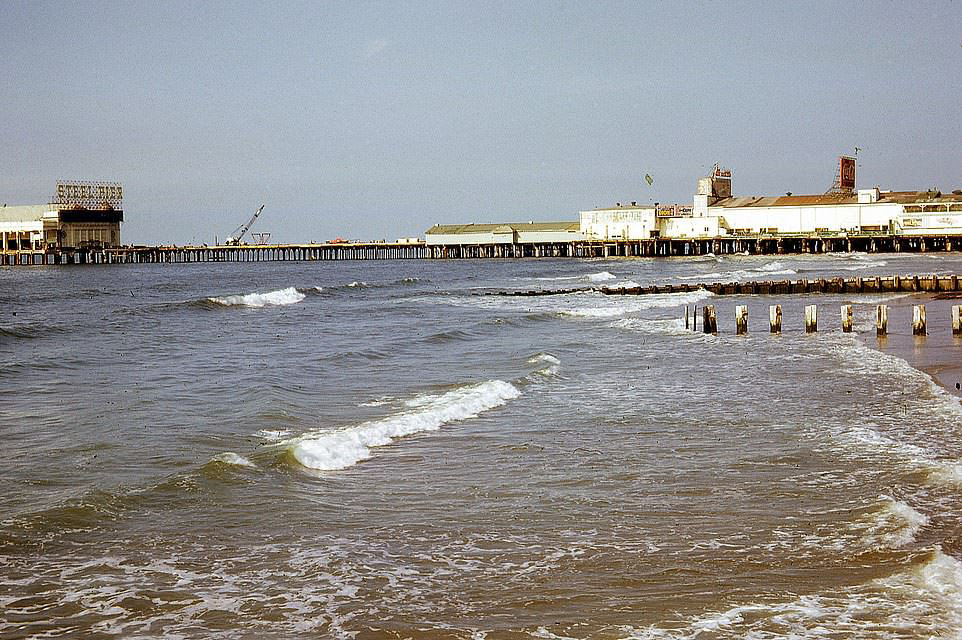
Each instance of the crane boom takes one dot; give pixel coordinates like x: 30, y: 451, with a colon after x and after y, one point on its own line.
x: 235, y: 237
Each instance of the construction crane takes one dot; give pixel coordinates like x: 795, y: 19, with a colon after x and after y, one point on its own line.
x: 237, y: 235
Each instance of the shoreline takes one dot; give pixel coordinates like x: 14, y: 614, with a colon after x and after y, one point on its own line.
x: 936, y: 354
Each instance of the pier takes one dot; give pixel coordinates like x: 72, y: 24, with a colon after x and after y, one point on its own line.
x: 746, y: 244
x: 655, y: 247
x: 220, y: 253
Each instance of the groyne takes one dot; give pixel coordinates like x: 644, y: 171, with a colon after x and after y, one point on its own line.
x: 878, y: 284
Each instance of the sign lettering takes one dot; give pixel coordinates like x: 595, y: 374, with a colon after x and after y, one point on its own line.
x: 90, y: 195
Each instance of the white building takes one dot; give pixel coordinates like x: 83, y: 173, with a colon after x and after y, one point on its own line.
x: 716, y: 212
x: 621, y: 222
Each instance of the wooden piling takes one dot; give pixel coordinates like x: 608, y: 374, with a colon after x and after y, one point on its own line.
x: 686, y: 317
x: 881, y: 320
x: 957, y: 320
x: 708, y: 321
x: 811, y: 318
x: 741, y: 320
x: 918, y: 320
x: 846, y: 318
x: 775, y: 318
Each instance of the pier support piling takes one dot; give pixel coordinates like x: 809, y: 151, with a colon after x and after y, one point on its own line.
x: 708, y: 321
x: 741, y: 320
x: 775, y: 318
x: 846, y: 318
x: 811, y: 318
x: 881, y: 320
x: 918, y: 320
x: 957, y: 320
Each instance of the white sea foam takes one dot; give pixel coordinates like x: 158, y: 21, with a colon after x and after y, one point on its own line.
x: 290, y: 295
x: 602, y: 276
x: 894, y: 524
x: 333, y: 450
x: 865, y: 360
x: 358, y: 284
x: 580, y: 305
x: 229, y: 457
x: 923, y: 601
x: 774, y: 268
x: 272, y: 434
x: 616, y: 305
x: 919, y: 395
x: 553, y: 278
x: 657, y: 326
x: 551, y: 364
x: 378, y: 402
x: 861, y: 261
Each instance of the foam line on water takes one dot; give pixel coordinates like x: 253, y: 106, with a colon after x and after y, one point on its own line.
x: 333, y: 450
x: 923, y: 601
x: 615, y: 305
x: 591, y: 305
x: 937, y: 411
x: 289, y: 295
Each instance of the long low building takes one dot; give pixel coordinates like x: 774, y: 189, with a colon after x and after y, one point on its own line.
x: 504, y: 233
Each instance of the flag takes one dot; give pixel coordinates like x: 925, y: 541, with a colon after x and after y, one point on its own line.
x: 648, y: 179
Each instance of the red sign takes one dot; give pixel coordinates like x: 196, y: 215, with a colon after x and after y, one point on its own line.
x: 846, y: 173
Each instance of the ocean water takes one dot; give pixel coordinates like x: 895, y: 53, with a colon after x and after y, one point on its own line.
x: 382, y: 450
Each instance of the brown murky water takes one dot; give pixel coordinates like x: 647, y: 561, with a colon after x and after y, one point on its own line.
x: 376, y: 451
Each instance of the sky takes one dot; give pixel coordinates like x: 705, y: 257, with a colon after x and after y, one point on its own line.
x: 377, y: 120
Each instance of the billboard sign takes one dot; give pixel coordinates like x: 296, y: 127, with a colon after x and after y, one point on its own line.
x: 846, y: 173
x: 90, y: 195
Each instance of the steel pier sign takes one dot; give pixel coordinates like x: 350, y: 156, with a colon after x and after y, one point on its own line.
x: 91, y: 195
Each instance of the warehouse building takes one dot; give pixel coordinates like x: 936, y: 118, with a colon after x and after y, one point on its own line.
x: 513, y: 233
x: 844, y: 210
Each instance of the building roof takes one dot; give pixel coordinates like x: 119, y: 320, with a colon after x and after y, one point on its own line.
x: 24, y: 212
x: 892, y: 197
x: 622, y: 207
x: 503, y: 227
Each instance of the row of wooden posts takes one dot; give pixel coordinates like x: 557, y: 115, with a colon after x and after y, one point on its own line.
x: 710, y: 321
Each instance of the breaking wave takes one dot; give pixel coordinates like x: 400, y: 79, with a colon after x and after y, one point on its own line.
x: 549, y: 365
x: 773, y: 268
x: 616, y: 305
x: 602, y: 276
x: 229, y: 457
x: 280, y: 297
x: 332, y: 450
x: 894, y: 524
x: 30, y: 330
x: 924, y: 600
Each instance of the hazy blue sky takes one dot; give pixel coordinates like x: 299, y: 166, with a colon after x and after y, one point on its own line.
x: 377, y: 120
